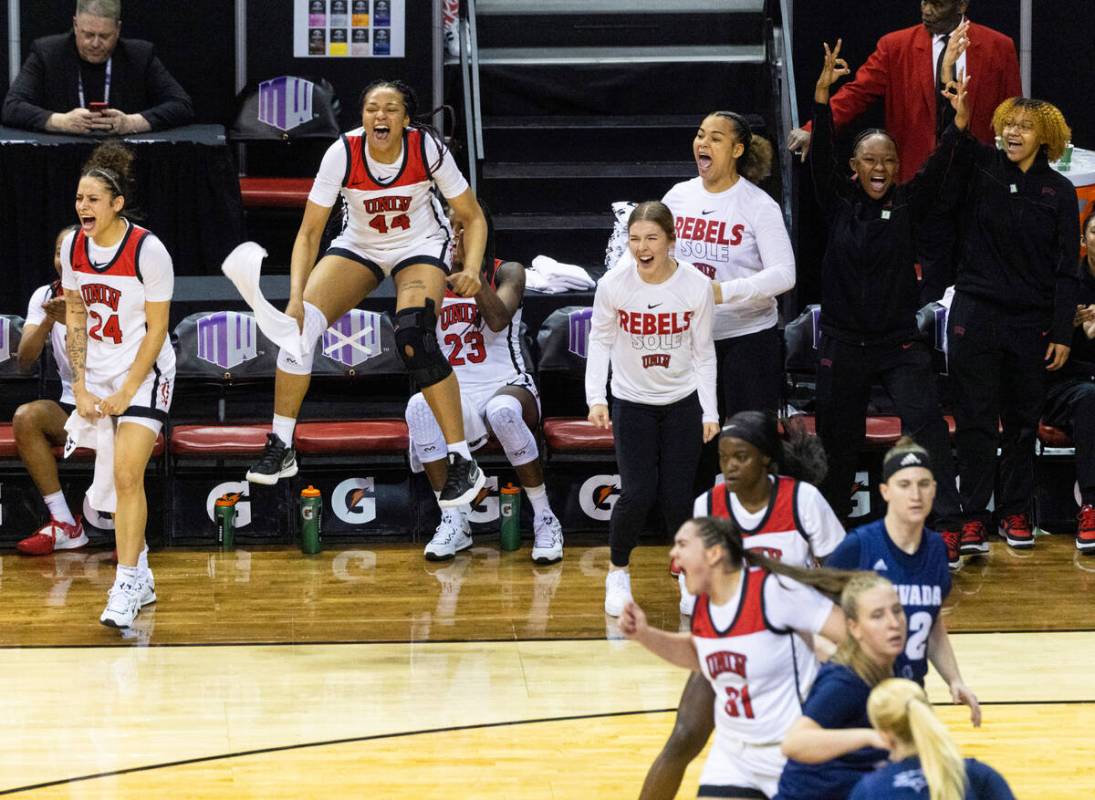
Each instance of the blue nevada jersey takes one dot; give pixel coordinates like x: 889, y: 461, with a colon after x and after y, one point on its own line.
x: 923, y: 582
x: 904, y: 781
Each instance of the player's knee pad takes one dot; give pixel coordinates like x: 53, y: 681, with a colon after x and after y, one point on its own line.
x: 427, y: 440
x: 416, y: 340
x: 286, y: 363
x: 314, y: 326
x: 505, y: 417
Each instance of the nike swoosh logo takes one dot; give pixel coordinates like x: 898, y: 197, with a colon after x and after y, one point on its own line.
x: 653, y: 305
x: 712, y: 211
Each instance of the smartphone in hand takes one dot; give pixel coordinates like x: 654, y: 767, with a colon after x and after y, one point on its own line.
x: 98, y: 106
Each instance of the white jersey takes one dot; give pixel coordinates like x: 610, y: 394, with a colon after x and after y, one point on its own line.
x: 797, y: 526
x: 115, y: 283
x: 389, y: 207
x: 748, y: 652
x: 738, y: 238
x: 480, y: 357
x: 36, y: 315
x: 657, y: 337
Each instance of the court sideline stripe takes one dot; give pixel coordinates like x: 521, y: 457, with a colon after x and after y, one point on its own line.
x: 424, y: 732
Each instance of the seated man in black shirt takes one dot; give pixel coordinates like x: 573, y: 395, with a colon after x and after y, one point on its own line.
x: 90, y: 81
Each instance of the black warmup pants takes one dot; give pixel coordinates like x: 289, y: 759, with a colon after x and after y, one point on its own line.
x: 998, y: 371
x: 657, y: 450
x: 1070, y: 404
x: 845, y: 375
x: 750, y: 370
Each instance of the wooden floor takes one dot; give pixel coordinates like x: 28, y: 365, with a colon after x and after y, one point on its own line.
x: 370, y: 673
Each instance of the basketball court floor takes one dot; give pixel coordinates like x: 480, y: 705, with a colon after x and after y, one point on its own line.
x: 370, y: 673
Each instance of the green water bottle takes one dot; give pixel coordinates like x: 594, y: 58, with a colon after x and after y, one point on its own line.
x: 509, y: 508
x: 311, y: 512
x: 224, y: 511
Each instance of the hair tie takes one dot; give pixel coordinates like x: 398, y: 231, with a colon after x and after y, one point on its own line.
x: 110, y: 177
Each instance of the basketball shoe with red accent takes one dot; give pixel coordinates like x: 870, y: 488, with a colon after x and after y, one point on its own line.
x: 1085, y: 529
x: 1016, y: 530
x: 972, y: 540
x: 52, y: 536
x: 953, y: 540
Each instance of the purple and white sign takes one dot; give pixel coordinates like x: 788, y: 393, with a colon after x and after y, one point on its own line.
x: 578, y: 342
x: 353, y: 339
x: 285, y: 102
x: 227, y: 338
x: 5, y: 340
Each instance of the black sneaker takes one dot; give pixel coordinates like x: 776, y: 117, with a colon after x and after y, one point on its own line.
x: 277, y: 461
x: 464, y: 481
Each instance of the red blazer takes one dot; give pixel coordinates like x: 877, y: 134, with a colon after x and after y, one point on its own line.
x: 900, y: 71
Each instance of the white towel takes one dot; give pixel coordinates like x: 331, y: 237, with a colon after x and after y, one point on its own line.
x: 242, y: 267
x: 97, y: 435
x: 562, y: 277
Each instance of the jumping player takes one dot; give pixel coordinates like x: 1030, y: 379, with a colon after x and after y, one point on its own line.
x: 748, y: 610
x: 481, y: 338
x: 386, y: 172
x: 915, y: 560
x: 118, y: 282
x: 769, y: 493
x: 926, y: 763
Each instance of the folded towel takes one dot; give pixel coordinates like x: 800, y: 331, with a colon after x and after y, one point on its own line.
x: 97, y: 435
x: 561, y: 277
x: 243, y: 267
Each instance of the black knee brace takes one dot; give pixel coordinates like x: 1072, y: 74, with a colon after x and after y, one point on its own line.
x: 416, y: 340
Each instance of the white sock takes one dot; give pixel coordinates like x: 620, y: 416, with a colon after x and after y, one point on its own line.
x: 142, y: 561
x: 537, y: 495
x: 58, y: 508
x: 460, y: 447
x: 463, y: 510
x: 284, y: 427
x: 125, y: 575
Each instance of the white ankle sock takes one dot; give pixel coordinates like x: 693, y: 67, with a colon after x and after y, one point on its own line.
x: 142, y: 561
x: 460, y: 447
x: 284, y: 427
x: 537, y: 495
x: 58, y: 508
x: 126, y: 575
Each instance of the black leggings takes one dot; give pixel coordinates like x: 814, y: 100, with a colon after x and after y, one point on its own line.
x: 1070, y: 404
x: 657, y: 450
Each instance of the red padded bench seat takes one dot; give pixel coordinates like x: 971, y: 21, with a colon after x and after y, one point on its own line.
x: 275, y: 192
x: 218, y: 440
x: 8, y: 449
x: 356, y: 436
x: 881, y: 431
x: 7, y: 442
x: 1053, y: 437
x: 576, y: 435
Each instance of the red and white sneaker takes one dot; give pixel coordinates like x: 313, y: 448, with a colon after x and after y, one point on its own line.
x: 1016, y: 530
x: 953, y: 540
x: 972, y: 540
x: 1085, y: 529
x: 52, y: 536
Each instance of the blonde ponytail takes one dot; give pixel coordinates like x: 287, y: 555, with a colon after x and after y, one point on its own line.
x: 899, y: 707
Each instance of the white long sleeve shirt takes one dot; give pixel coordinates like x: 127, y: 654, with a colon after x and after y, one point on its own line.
x: 738, y: 238
x: 657, y: 336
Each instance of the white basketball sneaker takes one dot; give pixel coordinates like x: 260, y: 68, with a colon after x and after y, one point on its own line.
x: 547, y: 542
x: 123, y: 604
x: 148, y: 594
x: 453, y: 534
x: 617, y: 591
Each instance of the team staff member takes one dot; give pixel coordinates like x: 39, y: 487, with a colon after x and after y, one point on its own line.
x: 386, y: 172
x: 749, y: 610
x: 927, y: 764
x: 732, y: 230
x: 768, y: 491
x: 915, y: 560
x: 118, y: 282
x: 1070, y: 402
x: 652, y: 323
x: 1011, y: 321
x: 870, y: 299
x: 481, y: 338
x: 832, y: 745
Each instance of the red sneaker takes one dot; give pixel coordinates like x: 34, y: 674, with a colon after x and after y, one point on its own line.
x: 1085, y: 529
x: 972, y: 540
x: 953, y: 540
x: 52, y: 536
x: 1016, y: 530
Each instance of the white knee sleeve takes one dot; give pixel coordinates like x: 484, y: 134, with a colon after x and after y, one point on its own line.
x: 427, y: 441
x: 314, y: 326
x: 504, y: 416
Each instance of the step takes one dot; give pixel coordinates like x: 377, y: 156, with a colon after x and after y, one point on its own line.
x: 653, y: 54
x: 555, y: 222
x: 569, y: 122
x: 607, y: 170
x: 583, y: 246
x: 485, y: 8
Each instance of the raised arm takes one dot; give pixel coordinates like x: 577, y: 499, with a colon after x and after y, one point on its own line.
x: 829, y: 181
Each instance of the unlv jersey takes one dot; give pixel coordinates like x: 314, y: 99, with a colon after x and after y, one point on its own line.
x: 751, y: 662
x: 396, y: 213
x: 780, y: 534
x: 480, y: 357
x: 114, y: 295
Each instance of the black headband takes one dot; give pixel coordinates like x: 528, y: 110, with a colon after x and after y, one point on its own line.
x: 902, y: 459
x: 758, y: 430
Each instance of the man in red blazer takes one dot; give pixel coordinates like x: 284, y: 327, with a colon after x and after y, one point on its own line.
x: 901, y: 71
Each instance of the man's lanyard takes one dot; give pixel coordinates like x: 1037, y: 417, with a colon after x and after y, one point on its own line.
x: 106, y: 84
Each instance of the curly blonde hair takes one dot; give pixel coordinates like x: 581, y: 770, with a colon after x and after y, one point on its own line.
x: 1053, y: 131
